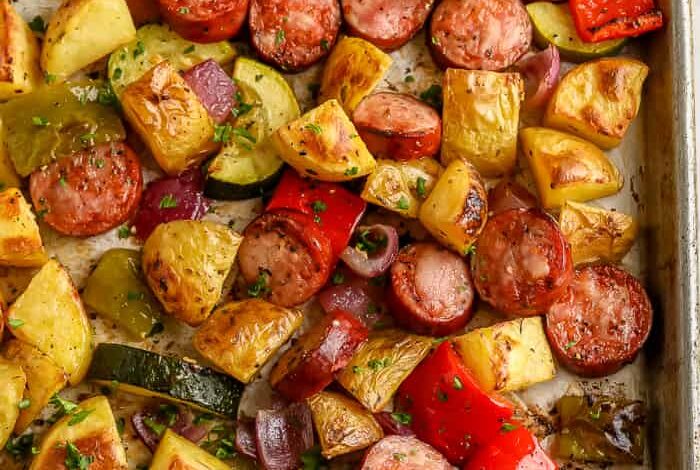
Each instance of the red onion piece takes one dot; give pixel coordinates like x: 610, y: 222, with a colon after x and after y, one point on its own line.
x: 541, y: 73
x: 508, y: 194
x: 352, y: 299
x: 246, y: 443
x: 391, y: 426
x: 371, y: 264
x: 214, y: 88
x: 145, y: 433
x: 183, y: 425
x: 282, y: 436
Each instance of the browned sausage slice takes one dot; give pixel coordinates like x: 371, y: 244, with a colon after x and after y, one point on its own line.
x: 293, y: 34
x: 388, y: 24
x: 404, y: 453
x: 509, y: 194
x: 205, y: 20
x: 601, y: 322
x: 398, y: 126
x: 431, y: 290
x: 478, y: 34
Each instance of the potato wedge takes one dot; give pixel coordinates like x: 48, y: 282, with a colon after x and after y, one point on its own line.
x: 20, y: 241
x: 240, y: 337
x: 343, y: 426
x: 323, y: 144
x: 19, y: 55
x: 90, y: 431
x: 186, y: 263
x: 83, y: 31
x: 596, y: 234
x: 44, y: 379
x: 480, y: 119
x: 598, y: 100
x: 508, y: 356
x: 567, y: 168
x: 50, y: 316
x: 13, y: 380
x: 170, y: 119
x: 456, y: 209
x: 353, y: 69
x: 175, y: 453
x: 402, y: 186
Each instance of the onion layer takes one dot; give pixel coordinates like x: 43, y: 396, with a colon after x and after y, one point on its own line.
x: 541, y: 73
x: 375, y: 249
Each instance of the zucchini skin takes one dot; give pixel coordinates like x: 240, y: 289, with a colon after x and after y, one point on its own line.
x: 169, y: 377
x: 217, y: 188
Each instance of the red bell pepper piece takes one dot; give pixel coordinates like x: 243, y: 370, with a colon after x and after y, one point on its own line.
x: 599, y: 20
x: 514, y: 448
x: 335, y: 209
x: 449, y: 410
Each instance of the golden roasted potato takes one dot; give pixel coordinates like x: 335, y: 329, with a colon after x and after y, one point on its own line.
x: 567, y: 168
x: 177, y: 453
x: 19, y: 55
x: 170, y: 119
x: 240, y: 337
x: 13, y: 381
x: 186, y: 263
x: 20, y: 241
x: 83, y: 31
x: 596, y: 234
x: 455, y: 211
x: 44, y: 379
x: 380, y: 365
x: 89, y: 430
x: 353, y: 69
x: 598, y: 100
x: 343, y: 426
x: 50, y: 316
x: 480, y: 119
x: 323, y: 144
x: 508, y: 356
x: 402, y: 186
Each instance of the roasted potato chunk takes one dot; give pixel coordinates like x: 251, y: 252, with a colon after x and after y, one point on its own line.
x: 480, y: 119
x: 175, y: 452
x: 353, y: 69
x: 240, y: 337
x: 508, y: 356
x: 598, y: 100
x: 170, y: 119
x: 455, y: 211
x: 596, y: 234
x: 186, y: 263
x: 50, y: 316
x: 44, y: 379
x: 20, y: 241
x: 19, y: 55
x: 567, y: 168
x: 13, y: 381
x: 377, y: 369
x: 89, y: 430
x: 343, y: 426
x: 323, y: 144
x: 402, y: 186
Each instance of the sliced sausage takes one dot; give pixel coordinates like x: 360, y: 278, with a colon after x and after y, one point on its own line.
x: 388, y: 24
x: 214, y: 88
x: 286, y: 255
x: 431, y: 290
x: 508, y: 194
x: 474, y: 34
x: 403, y: 453
x: 90, y: 192
x: 398, y: 126
x: 522, y: 262
x: 309, y: 365
x: 205, y: 21
x: 601, y: 322
x: 293, y: 34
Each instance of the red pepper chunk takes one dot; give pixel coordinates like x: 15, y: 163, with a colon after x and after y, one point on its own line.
x: 514, y: 448
x: 449, y: 410
x: 335, y: 209
x: 600, y: 20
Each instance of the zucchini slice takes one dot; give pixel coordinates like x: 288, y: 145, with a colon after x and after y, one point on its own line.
x: 248, y: 164
x: 146, y: 373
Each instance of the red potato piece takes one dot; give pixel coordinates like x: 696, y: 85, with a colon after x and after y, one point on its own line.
x: 214, y: 88
x: 289, y: 252
x: 508, y: 194
x: 293, y: 34
x: 601, y: 322
x: 479, y: 35
x: 205, y: 21
x: 398, y: 126
x: 522, y: 262
x: 388, y: 24
x: 431, y: 290
x: 403, y: 453
x: 283, y: 435
x: 309, y: 365
x: 90, y: 192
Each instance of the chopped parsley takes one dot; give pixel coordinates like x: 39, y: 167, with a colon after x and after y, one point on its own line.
x: 442, y: 396
x: 338, y: 278
x: 183, y: 10
x: 319, y: 206
x: 87, y: 139
x: 351, y: 171
x: 121, y: 422
x: 37, y: 24
x: 435, y: 40
x: 168, y: 202
x: 75, y: 460
x: 189, y: 49
x: 24, y: 404
x: 570, y: 345
x: 420, y: 187
x: 324, y: 44
x: 63, y: 407
x: 409, y: 79
x: 243, y: 133
x: 312, y: 459
x: 15, y: 322
x: 399, y: 456
x: 470, y: 250
x: 79, y: 417
x: 222, y: 133
x: 241, y: 107
x: 594, y: 414
x: 155, y: 426
x: 402, y: 418
x: 117, y: 73
x: 507, y: 427
x: 49, y: 78
x: 403, y: 203
x: 132, y: 295
x: 21, y: 447
x: 315, y: 128
x: 433, y: 96
x: 140, y: 49
x: 369, y: 242
x: 40, y: 121
x: 457, y: 383
x: 279, y: 37
x: 259, y: 287
x: 124, y: 232
x: 377, y: 364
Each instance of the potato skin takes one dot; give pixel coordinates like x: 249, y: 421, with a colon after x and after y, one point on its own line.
x: 20, y: 240
x: 186, y: 263
x: 19, y: 55
x: 174, y: 452
x: 598, y: 100
x: 13, y: 381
